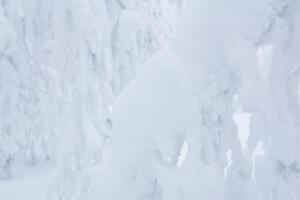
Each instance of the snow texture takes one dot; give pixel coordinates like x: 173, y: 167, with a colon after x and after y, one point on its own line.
x: 150, y: 99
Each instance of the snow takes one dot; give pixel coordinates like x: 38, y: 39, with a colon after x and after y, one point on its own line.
x: 148, y: 128
x: 156, y: 99
x: 59, y: 76
x: 31, y: 182
x: 183, y: 153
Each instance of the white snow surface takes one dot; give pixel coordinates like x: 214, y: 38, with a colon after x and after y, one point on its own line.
x: 149, y: 99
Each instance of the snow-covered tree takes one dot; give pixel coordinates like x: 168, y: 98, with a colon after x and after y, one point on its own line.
x: 149, y: 99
